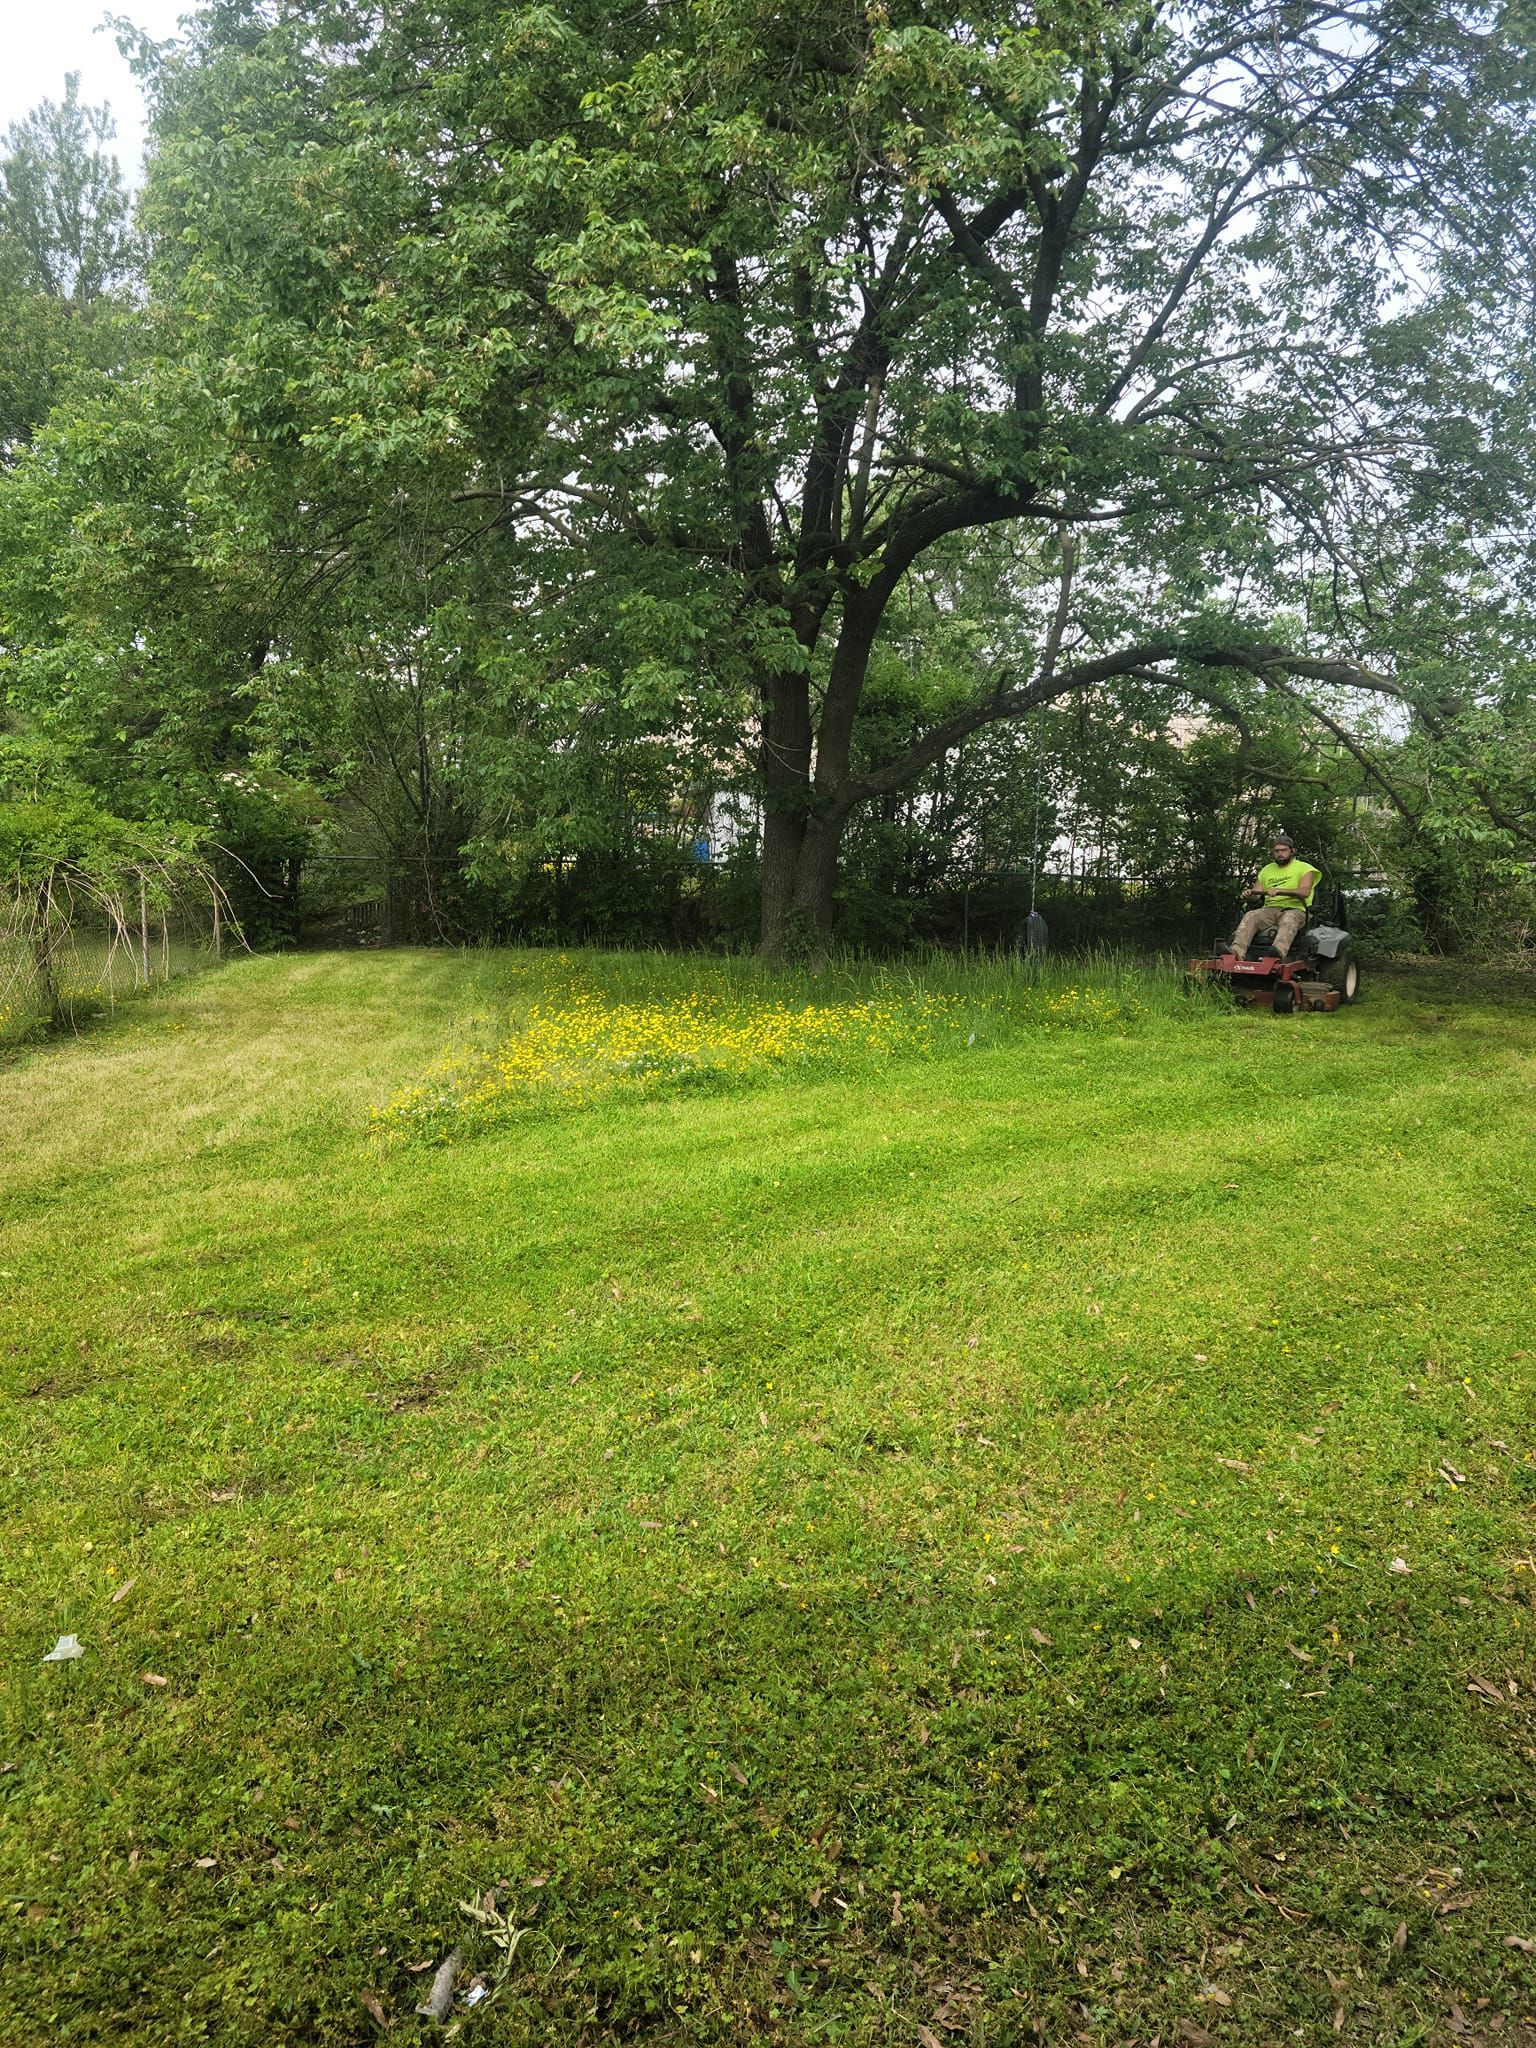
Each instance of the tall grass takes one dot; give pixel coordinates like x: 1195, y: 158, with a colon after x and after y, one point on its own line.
x: 558, y: 1031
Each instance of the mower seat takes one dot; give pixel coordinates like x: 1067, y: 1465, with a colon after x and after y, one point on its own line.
x: 1312, y: 942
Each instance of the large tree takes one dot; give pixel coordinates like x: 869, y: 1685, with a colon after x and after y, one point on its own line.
x: 694, y: 329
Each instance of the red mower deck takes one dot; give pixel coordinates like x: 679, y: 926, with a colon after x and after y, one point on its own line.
x: 1258, y: 983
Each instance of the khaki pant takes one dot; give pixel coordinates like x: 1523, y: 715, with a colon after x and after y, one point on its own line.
x: 1285, y: 924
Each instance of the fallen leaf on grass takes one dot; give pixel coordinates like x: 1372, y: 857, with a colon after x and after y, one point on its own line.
x: 124, y: 1590
x: 1526, y: 1948
x: 928, y: 2037
x: 205, y: 1863
x: 372, y: 2006
x: 1400, y: 1939
x: 439, y: 2000
x: 1451, y: 1476
x: 1399, y: 1564
x: 737, y: 1773
x: 1038, y: 1635
x: 1235, y: 1464
x: 1197, y: 2037
x: 1486, y: 1689
x: 152, y: 1678
x: 1301, y: 1656
x: 898, y: 1918
x: 1216, y: 1995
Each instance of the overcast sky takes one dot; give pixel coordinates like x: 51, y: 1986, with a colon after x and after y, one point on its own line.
x: 42, y: 39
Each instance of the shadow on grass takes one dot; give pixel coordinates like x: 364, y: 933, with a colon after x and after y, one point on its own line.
x: 755, y: 1810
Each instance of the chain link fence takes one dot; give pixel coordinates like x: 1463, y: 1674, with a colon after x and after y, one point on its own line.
x: 88, y: 972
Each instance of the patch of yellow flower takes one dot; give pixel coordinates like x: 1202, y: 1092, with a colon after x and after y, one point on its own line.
x: 1094, y: 1007
x: 583, y: 1048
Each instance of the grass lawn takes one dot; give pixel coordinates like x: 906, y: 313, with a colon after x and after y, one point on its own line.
x: 900, y: 1551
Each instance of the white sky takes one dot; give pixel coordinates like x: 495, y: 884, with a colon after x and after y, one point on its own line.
x: 42, y: 39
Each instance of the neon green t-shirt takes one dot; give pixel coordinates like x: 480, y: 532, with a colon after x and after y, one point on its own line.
x: 1273, y: 878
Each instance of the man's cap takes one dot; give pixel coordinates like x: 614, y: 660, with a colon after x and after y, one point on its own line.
x: 1282, y: 839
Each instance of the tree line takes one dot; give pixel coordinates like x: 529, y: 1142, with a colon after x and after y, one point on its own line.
x: 509, y: 442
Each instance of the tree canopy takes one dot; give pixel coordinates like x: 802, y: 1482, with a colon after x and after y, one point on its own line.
x: 657, y: 371
x: 66, y: 252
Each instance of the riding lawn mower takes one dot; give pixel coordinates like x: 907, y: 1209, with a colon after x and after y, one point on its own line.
x: 1318, y: 973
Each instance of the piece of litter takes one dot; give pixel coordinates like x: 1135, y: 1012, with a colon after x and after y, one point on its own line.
x: 152, y: 1678
x: 64, y: 1650
x: 475, y: 1993
x: 1399, y: 1564
x: 439, y: 2000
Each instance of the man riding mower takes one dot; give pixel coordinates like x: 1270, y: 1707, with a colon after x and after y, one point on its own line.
x: 1279, y: 960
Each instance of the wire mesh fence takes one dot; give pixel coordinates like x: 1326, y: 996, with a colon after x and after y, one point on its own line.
x: 87, y: 973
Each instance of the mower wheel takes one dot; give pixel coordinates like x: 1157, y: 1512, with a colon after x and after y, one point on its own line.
x: 1284, y: 999
x: 1344, y: 975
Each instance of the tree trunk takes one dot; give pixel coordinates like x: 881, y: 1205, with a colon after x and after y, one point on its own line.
x: 786, y: 769
x: 824, y: 817
x: 44, y: 942
x: 815, y: 897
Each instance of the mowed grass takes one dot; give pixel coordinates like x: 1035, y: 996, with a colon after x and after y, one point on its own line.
x: 889, y: 1554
